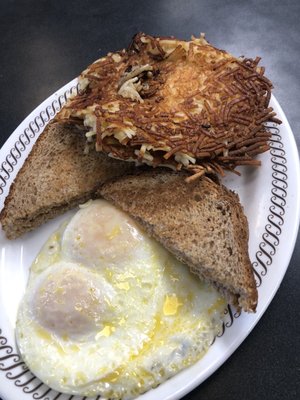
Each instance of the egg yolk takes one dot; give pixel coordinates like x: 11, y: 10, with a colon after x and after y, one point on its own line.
x: 69, y: 304
x: 99, y: 235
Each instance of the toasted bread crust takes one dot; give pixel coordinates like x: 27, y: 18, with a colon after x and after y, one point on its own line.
x: 202, y: 223
x: 55, y: 177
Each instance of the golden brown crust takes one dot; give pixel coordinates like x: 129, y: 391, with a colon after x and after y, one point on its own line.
x: 201, y: 223
x: 182, y: 104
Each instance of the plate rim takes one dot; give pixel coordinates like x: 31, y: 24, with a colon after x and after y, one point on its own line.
x: 46, y: 113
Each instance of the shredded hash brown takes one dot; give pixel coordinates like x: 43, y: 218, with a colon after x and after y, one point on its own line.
x: 181, y: 104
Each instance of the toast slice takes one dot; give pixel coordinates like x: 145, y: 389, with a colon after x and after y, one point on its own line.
x: 202, y: 223
x: 56, y: 176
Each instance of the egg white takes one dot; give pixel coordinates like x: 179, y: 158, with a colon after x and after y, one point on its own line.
x: 108, y: 311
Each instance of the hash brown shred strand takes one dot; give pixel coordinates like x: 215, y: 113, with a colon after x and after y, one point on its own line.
x: 181, y: 104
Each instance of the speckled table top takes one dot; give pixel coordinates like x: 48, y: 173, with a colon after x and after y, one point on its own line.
x: 45, y: 44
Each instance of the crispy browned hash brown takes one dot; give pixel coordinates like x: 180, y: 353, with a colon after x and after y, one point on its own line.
x: 182, y: 104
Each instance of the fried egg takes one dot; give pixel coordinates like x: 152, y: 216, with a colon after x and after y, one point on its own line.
x: 108, y: 311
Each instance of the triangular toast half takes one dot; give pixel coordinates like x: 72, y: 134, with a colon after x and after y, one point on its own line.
x: 202, y: 223
x: 56, y: 176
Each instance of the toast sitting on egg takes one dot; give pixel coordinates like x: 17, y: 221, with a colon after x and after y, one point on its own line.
x: 57, y: 176
x: 202, y: 223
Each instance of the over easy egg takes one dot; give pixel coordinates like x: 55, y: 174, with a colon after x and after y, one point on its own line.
x: 109, y: 312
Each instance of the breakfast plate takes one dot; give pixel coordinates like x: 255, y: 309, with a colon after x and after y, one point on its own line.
x: 270, y: 195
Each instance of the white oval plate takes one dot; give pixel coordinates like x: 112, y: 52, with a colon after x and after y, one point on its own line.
x: 270, y: 196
